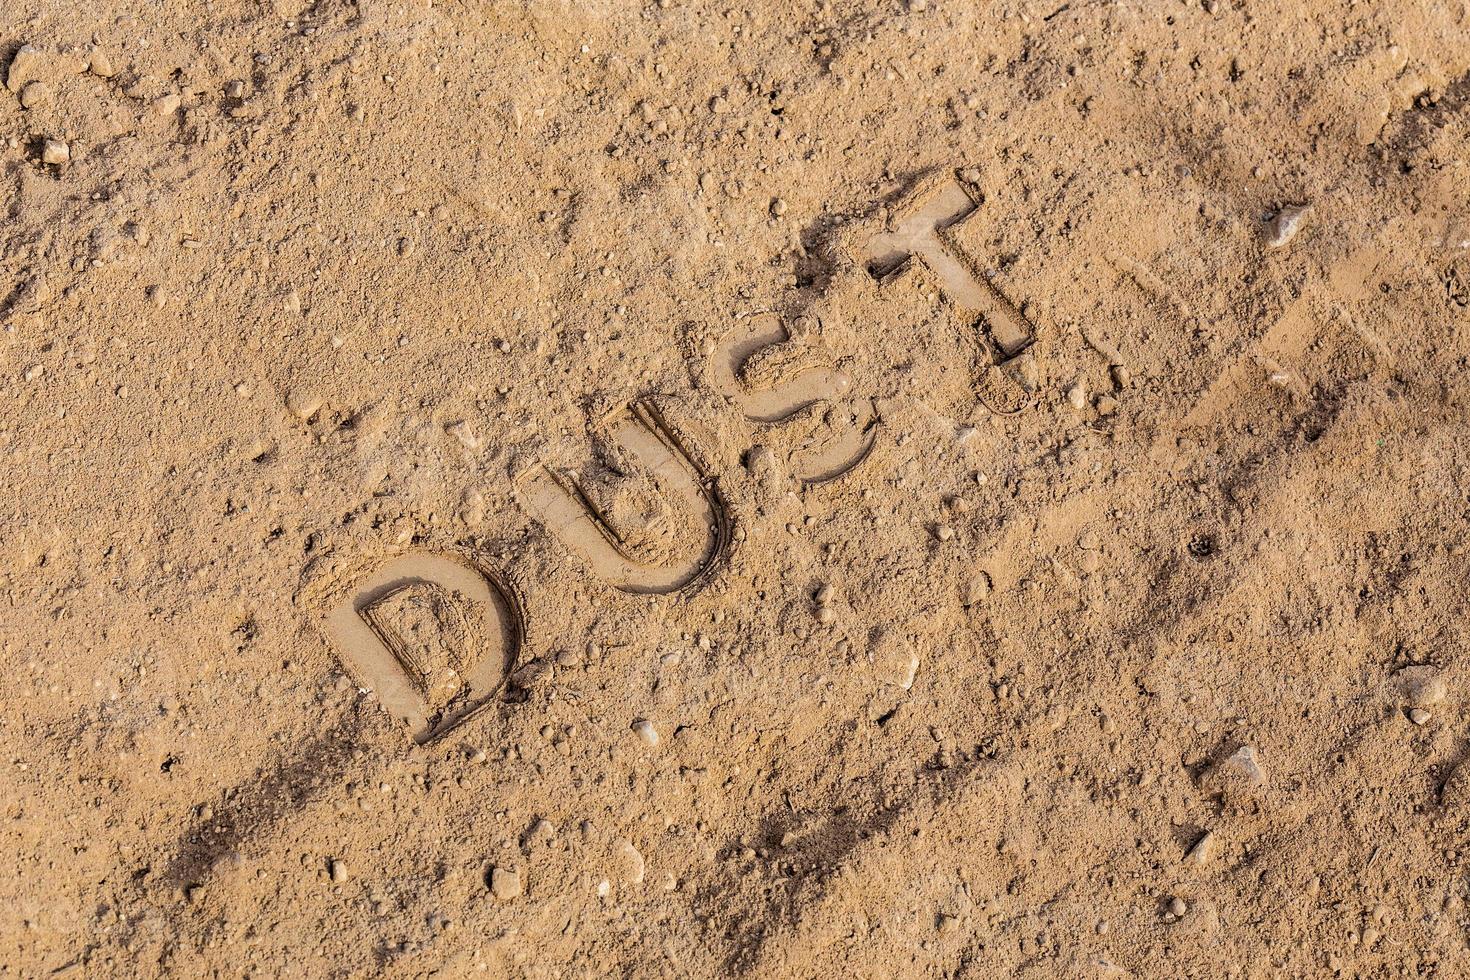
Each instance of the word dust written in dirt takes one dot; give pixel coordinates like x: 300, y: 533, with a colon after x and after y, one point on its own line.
x: 435, y: 637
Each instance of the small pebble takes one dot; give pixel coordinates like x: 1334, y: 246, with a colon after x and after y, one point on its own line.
x: 1420, y: 686
x: 630, y: 863
x: 1284, y: 227
x: 34, y: 94
x: 944, y: 532
x: 646, y: 731
x: 56, y: 153
x: 778, y: 207
x: 1106, y: 405
x: 1238, y: 776
x: 466, y: 435
x: 1203, y: 849
x: 339, y: 871
x: 303, y: 404
x: 1077, y: 397
x: 27, y: 63
x: 826, y: 614
x: 34, y: 371
x: 100, y: 65
x: 1122, y: 377
x: 505, y: 883
x: 1419, y: 716
x: 1177, y: 906
x: 895, y: 660
x: 1248, y: 762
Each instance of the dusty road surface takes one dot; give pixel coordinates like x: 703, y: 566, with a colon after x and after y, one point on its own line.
x: 671, y: 489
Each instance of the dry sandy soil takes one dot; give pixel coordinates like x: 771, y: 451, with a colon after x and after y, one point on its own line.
x: 904, y: 489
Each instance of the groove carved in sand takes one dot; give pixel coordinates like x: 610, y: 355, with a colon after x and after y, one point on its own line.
x: 774, y: 381
x: 433, y: 637
x: 924, y: 234
x: 559, y: 499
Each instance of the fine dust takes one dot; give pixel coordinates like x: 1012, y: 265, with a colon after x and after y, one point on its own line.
x: 669, y: 489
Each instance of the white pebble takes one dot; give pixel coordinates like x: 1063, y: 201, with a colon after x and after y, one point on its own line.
x: 646, y: 731
x: 629, y: 861
x: 1286, y: 224
x: 1203, y: 849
